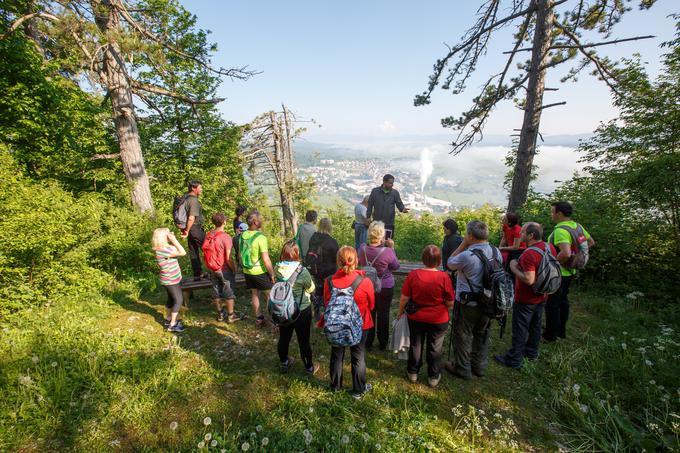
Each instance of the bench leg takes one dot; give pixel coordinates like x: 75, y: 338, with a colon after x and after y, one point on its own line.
x: 186, y: 295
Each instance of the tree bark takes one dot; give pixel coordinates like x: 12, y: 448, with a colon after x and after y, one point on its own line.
x: 117, y: 84
x: 282, y: 176
x: 526, y: 149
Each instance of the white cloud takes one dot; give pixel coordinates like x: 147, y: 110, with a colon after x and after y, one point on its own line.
x: 387, y: 126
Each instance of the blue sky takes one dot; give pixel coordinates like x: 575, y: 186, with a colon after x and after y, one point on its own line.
x: 356, y: 66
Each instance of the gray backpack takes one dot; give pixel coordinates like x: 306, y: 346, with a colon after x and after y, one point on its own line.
x: 371, y: 272
x: 548, y: 273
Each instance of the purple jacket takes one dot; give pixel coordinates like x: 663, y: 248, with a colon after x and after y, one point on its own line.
x: 385, y: 264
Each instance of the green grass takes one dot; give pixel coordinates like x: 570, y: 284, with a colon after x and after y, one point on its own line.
x: 100, y: 374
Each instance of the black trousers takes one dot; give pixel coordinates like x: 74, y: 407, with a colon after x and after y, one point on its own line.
x: 303, y: 330
x: 381, y: 318
x: 432, y: 337
x: 195, y: 238
x: 358, y: 359
x: 557, y: 311
x: 175, y: 297
x: 526, y: 333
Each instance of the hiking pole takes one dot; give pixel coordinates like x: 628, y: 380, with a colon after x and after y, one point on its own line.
x: 453, y: 313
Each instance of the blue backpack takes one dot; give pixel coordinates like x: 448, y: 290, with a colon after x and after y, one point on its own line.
x: 343, y: 322
x: 282, y: 306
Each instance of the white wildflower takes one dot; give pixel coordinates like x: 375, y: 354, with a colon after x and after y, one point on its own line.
x: 207, y: 421
x: 584, y: 408
x: 576, y: 388
x: 378, y: 446
x: 245, y: 446
x: 624, y: 346
x: 213, y: 443
x: 200, y: 445
x: 652, y: 382
x: 306, y: 433
x: 35, y: 359
x: 114, y: 443
x: 25, y: 380
x: 352, y: 429
x: 344, y: 439
x: 173, y: 426
x: 648, y: 362
x: 54, y: 364
x: 258, y: 428
x: 265, y: 441
x: 207, y: 436
x: 611, y: 338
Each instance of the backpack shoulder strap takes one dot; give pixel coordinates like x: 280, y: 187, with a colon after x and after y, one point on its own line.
x: 377, y: 256
x: 357, y: 281
x: 293, y: 278
x: 329, y: 279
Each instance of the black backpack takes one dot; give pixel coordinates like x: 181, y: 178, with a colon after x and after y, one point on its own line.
x: 497, y: 294
x: 180, y: 211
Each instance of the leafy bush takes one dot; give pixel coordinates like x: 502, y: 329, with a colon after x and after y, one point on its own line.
x: 59, y: 244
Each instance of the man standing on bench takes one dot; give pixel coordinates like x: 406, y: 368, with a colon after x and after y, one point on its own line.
x: 381, y: 205
x: 194, y: 229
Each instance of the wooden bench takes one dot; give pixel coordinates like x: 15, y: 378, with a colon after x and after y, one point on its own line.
x: 188, y: 285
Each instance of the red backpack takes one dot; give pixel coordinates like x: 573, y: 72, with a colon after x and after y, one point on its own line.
x: 212, y: 254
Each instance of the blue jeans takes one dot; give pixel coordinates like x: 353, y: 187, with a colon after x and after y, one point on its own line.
x: 526, y: 333
x: 360, y: 235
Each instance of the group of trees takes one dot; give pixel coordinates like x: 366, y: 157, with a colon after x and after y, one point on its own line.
x: 124, y: 54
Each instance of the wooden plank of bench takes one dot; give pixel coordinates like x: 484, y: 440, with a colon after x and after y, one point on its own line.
x: 188, y: 285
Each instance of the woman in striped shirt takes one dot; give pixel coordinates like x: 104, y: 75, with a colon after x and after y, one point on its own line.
x: 167, y: 250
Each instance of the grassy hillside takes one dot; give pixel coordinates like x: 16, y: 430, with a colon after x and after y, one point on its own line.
x: 98, y: 373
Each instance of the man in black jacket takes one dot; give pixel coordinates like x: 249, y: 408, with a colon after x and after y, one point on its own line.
x: 381, y: 204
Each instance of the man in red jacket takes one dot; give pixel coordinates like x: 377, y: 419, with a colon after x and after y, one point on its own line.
x: 528, y: 309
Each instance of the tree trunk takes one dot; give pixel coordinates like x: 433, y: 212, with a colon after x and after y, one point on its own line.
x: 526, y: 149
x: 290, y: 167
x: 124, y: 118
x: 282, y: 178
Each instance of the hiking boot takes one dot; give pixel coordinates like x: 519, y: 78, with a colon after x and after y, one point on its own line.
x: 358, y: 396
x: 178, y: 327
x: 285, y: 366
x: 259, y: 321
x: 433, y: 382
x: 312, y: 371
x: 221, y: 315
x: 503, y: 361
x: 412, y: 377
x: 451, y: 368
x: 234, y: 317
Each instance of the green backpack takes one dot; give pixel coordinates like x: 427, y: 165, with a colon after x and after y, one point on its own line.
x: 244, y: 248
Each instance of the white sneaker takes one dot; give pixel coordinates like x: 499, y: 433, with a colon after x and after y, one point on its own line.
x: 433, y: 382
x: 412, y: 377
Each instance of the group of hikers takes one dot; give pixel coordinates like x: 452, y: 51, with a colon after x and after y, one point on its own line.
x: 348, y: 290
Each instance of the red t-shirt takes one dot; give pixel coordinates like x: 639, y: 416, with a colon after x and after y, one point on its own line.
x: 429, y: 289
x: 510, y: 234
x: 528, y: 262
x: 363, y: 296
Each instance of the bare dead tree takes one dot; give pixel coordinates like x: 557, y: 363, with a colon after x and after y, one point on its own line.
x: 106, y: 36
x: 554, y: 29
x: 267, y: 148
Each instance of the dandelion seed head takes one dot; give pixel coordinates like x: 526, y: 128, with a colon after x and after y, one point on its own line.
x: 245, y: 446
x: 35, y: 359
x: 213, y: 443
x: 584, y: 408
x: 207, y: 436
x: 265, y: 441
x: 624, y: 346
x: 201, y: 444
x: 173, y: 425
x: 344, y: 439
x: 54, y: 364
x: 352, y: 429
x: 258, y: 428
x: 207, y: 421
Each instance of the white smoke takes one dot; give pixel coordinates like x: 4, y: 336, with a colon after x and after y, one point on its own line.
x: 425, y: 167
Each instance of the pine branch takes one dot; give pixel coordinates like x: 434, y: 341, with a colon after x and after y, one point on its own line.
x: 585, y: 46
x: 233, y: 73
x: 604, y: 72
x: 155, y: 89
x: 17, y: 23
